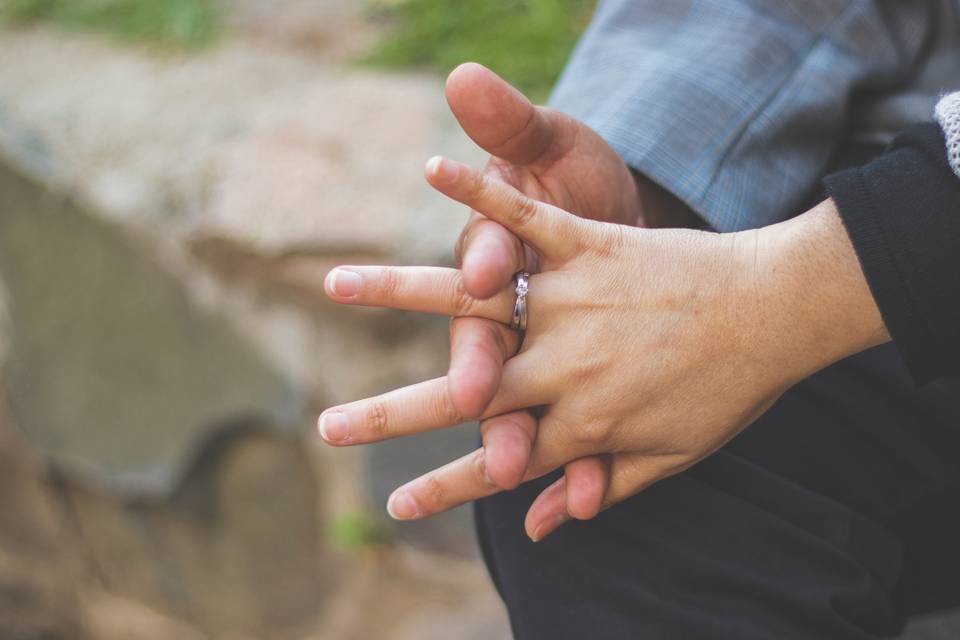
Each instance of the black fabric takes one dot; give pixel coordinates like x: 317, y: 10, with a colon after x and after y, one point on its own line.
x: 902, y: 212
x: 834, y: 516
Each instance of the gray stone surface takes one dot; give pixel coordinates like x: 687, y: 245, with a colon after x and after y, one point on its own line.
x: 236, y: 550
x: 4, y: 327
x: 111, y: 366
x: 272, y: 149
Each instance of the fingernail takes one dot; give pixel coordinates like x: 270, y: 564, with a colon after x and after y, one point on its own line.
x: 344, y: 282
x: 443, y: 170
x: 402, y: 506
x: 334, y: 427
x: 547, y: 527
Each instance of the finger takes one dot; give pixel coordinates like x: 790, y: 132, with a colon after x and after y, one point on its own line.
x: 548, y: 511
x: 470, y: 477
x: 427, y: 289
x: 488, y: 255
x: 453, y: 484
x: 587, y: 482
x: 427, y: 406
x: 548, y: 230
x: 507, y: 441
x: 628, y: 475
x: 578, y: 494
x: 478, y: 349
x: 497, y: 116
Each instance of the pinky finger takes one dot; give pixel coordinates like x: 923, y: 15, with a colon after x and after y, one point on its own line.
x: 548, y: 511
x: 587, y: 482
x: 578, y: 494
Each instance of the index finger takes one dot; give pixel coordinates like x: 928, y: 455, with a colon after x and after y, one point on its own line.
x: 548, y: 230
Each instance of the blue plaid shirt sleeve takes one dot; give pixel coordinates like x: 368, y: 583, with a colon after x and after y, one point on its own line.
x: 736, y: 106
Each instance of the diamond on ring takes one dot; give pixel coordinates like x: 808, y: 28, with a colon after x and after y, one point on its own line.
x: 519, y: 320
x: 522, y: 286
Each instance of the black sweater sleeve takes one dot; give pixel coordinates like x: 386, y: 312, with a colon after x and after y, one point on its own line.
x: 902, y: 212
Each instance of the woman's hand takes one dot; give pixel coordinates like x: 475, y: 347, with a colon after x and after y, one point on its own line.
x: 652, y: 348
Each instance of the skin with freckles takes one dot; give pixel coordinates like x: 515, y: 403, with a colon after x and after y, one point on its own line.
x: 646, y: 350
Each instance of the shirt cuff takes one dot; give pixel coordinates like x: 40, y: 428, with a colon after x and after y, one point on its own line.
x: 902, y: 212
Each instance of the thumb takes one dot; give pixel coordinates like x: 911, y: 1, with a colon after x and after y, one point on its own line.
x: 498, y: 117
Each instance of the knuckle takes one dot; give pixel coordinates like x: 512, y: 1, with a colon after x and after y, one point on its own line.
x: 446, y: 411
x: 588, y: 366
x: 580, y: 237
x: 376, y: 420
x: 479, y: 187
x: 432, y: 494
x: 461, y: 302
x: 478, y: 467
x: 523, y: 209
x: 592, y: 432
x: 390, y: 283
x: 614, y: 238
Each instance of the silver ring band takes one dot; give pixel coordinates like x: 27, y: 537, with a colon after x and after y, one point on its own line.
x: 519, y: 320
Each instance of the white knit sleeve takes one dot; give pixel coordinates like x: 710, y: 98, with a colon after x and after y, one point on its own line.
x: 948, y: 115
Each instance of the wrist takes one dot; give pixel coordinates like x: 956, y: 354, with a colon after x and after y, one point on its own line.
x: 815, y: 295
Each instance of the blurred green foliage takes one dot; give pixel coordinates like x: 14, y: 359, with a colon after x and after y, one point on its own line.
x: 525, y: 41
x: 179, y: 24
x: 355, y: 531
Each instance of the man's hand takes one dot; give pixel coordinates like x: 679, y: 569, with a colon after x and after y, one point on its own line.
x: 549, y: 157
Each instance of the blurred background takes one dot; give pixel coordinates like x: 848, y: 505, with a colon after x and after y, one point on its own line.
x: 176, y: 177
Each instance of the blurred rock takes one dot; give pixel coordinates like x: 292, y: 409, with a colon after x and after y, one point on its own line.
x: 4, y: 328
x: 272, y: 149
x: 334, y: 175
x: 39, y: 597
x: 116, y: 618
x: 405, y: 594
x: 333, y: 29
x: 112, y: 367
x: 264, y: 161
x: 40, y: 576
x: 235, y: 551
